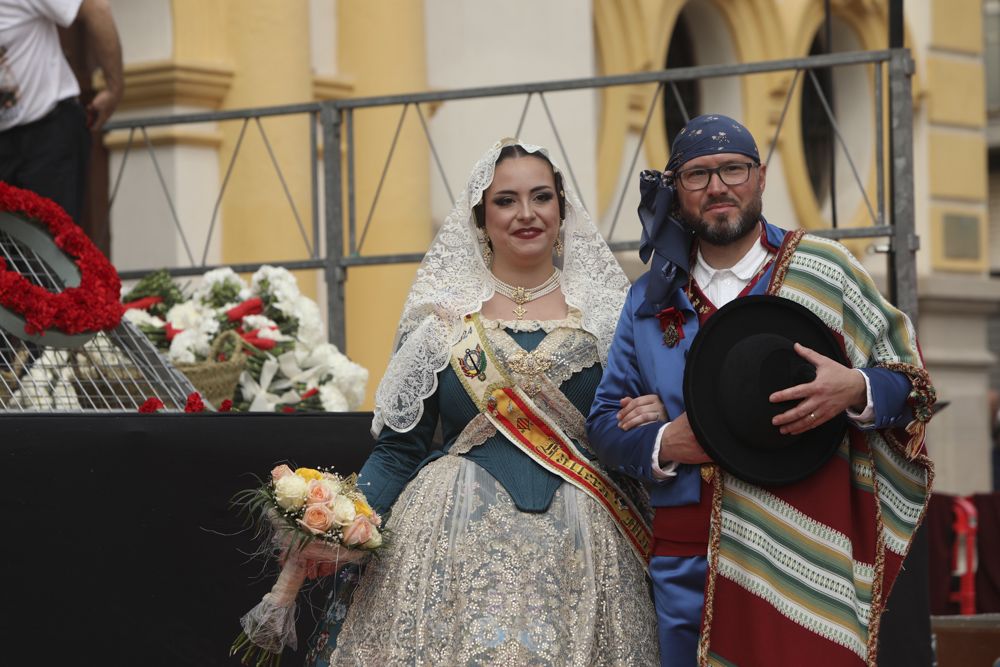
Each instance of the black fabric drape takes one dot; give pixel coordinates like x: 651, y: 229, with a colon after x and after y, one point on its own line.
x: 120, y: 545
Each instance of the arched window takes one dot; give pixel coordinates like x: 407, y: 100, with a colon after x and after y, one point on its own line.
x: 680, y: 53
x: 817, y: 131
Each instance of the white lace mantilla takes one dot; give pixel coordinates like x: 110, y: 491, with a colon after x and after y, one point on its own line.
x: 453, y: 281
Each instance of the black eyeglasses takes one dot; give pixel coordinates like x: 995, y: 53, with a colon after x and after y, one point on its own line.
x: 731, y: 173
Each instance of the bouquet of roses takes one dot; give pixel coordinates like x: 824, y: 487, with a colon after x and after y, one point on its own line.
x: 316, y: 519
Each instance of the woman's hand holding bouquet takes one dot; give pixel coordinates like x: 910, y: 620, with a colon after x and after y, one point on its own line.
x: 319, y: 522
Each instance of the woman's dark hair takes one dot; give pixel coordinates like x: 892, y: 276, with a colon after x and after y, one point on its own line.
x: 516, y: 150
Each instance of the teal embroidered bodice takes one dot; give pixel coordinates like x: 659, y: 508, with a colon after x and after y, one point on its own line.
x: 398, y: 457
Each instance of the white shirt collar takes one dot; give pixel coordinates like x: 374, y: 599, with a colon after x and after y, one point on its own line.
x: 744, y: 270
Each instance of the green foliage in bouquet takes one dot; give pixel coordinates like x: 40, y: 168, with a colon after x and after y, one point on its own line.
x: 157, y: 284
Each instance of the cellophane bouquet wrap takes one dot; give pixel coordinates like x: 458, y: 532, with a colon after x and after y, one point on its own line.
x: 313, y: 518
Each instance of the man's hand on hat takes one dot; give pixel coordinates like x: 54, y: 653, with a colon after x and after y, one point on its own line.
x: 835, y: 389
x: 640, y: 410
x: 678, y: 444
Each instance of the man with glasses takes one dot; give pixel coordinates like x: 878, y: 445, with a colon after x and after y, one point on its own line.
x: 792, y: 559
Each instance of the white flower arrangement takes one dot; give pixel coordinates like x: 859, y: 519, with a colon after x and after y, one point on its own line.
x: 292, y: 368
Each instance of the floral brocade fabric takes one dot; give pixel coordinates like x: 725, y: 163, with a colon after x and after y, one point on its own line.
x: 467, y: 579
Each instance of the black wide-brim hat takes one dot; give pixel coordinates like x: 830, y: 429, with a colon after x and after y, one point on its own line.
x: 742, y: 355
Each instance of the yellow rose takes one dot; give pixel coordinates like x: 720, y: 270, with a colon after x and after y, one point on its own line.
x: 308, y: 474
x: 362, y: 507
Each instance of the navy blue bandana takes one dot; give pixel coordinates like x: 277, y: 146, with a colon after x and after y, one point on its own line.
x: 708, y: 135
x: 666, y: 242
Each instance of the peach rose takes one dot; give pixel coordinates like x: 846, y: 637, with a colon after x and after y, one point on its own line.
x: 317, y: 519
x: 319, y: 493
x: 280, y: 471
x: 359, y: 532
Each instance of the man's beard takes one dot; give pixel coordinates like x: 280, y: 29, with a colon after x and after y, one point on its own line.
x: 722, y: 234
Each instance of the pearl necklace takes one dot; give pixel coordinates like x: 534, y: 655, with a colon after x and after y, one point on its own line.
x: 522, y: 295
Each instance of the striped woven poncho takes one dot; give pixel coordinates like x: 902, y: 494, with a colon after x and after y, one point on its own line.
x: 805, y: 569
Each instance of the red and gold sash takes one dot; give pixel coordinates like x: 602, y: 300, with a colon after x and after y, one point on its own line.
x: 522, y: 422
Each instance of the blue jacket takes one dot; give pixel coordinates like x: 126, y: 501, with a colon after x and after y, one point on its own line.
x: 639, y: 363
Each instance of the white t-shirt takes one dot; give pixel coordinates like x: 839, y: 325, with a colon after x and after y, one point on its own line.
x: 34, y: 62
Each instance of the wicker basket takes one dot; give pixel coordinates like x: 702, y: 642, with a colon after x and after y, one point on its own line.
x: 11, y: 371
x: 216, y: 380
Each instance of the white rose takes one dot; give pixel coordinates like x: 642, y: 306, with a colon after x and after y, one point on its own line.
x: 290, y: 492
x: 187, y: 315
x: 343, y: 510
x: 332, y: 398
x: 138, y: 316
x: 335, y: 487
x: 188, y: 346
x: 251, y: 322
x: 351, y: 379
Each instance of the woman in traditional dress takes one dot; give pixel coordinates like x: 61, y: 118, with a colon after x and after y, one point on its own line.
x: 509, y: 544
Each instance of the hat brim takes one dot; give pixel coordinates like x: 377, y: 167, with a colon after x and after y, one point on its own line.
x: 703, y: 375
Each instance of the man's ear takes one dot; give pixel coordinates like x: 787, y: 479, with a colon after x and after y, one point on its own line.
x: 763, y: 177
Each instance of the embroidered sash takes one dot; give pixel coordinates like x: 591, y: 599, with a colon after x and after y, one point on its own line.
x: 521, y: 421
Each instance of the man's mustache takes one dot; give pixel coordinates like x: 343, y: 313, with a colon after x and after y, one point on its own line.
x: 720, y: 200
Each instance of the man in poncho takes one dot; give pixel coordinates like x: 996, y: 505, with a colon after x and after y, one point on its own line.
x: 744, y: 573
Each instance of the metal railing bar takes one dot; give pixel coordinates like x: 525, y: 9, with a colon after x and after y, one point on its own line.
x: 635, y: 158
x: 381, y: 180
x: 314, y: 181
x: 656, y: 76
x: 874, y: 231
x: 879, y: 146
x: 562, y: 149
x: 843, y: 145
x: 170, y: 201
x: 284, y: 186
x: 680, y: 104
x: 781, y: 118
x: 222, y: 189
x: 616, y: 246
x: 121, y: 168
x: 434, y: 153
x: 524, y: 114
x: 247, y: 267
x: 209, y: 116
x: 352, y: 215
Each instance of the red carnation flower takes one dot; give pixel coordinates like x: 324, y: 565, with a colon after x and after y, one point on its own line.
x: 194, y: 403
x: 252, y: 306
x: 151, y: 404
x: 226, y: 406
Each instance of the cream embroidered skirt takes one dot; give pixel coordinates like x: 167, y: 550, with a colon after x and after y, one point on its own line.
x: 468, y: 579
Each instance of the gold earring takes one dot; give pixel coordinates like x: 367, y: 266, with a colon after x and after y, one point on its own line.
x: 557, y: 247
x: 488, y: 252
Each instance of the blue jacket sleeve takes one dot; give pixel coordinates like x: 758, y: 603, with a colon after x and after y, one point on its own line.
x: 889, y: 392
x: 396, y: 457
x: 628, y: 452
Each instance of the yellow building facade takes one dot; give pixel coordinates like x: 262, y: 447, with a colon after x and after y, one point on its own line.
x: 184, y: 56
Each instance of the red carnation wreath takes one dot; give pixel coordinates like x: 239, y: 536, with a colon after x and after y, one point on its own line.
x: 91, y: 306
